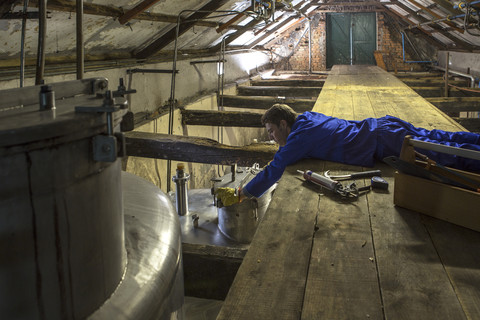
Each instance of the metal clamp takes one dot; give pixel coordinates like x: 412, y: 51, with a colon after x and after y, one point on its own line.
x: 106, y: 148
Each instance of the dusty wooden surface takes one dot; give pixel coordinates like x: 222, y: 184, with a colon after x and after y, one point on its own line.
x: 195, y: 149
x: 316, y: 256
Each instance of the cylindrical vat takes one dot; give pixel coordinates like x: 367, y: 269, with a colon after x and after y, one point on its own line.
x: 239, y: 222
x: 152, y: 287
x: 61, y: 219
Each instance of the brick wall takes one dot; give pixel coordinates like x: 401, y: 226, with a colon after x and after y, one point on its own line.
x: 389, y: 43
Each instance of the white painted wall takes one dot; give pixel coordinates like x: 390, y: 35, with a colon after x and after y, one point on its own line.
x: 195, y: 89
x: 464, y: 62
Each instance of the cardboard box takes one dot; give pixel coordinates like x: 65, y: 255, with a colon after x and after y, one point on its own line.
x: 439, y: 200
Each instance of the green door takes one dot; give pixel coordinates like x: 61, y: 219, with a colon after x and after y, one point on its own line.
x: 351, y: 38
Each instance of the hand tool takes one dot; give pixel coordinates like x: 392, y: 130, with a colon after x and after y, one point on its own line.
x: 356, y: 175
x: 332, y: 185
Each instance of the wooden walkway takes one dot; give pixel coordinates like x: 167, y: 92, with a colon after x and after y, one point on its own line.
x: 315, y: 256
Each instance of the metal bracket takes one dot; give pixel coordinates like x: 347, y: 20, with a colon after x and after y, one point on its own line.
x: 106, y: 147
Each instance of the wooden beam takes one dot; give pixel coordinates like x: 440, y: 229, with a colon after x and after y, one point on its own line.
x: 432, y: 13
x: 196, y: 149
x: 221, y: 118
x: 438, y: 92
x: 7, y: 5
x: 170, y: 35
x: 135, y: 11
x: 447, y: 5
x: 471, y: 124
x: 432, y: 82
x: 461, y: 43
x: 456, y: 104
x: 233, y: 20
x: 299, y: 105
x: 110, y: 11
x: 279, y: 91
x: 288, y: 83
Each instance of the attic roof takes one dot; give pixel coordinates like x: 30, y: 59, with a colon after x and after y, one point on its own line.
x: 146, y: 29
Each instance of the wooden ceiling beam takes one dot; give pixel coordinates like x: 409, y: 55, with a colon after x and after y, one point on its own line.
x: 232, y: 21
x: 433, y: 14
x: 115, y: 12
x: 448, y: 6
x: 135, y: 11
x: 7, y: 5
x: 461, y: 43
x: 170, y: 35
x: 279, y: 26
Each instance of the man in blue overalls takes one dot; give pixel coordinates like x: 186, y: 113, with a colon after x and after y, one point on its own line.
x: 315, y: 135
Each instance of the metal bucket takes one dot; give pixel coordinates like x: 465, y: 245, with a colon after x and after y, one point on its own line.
x: 239, y: 222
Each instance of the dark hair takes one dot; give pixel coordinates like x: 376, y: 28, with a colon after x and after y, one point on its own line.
x: 279, y: 112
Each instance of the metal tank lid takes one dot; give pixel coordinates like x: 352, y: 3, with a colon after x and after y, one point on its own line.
x: 242, y: 176
x: 23, y: 125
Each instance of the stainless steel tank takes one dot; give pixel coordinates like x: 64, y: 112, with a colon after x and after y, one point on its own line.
x: 61, y: 217
x: 152, y: 287
x: 63, y: 250
x: 239, y: 222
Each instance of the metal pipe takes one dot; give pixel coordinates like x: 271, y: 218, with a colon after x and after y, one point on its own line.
x: 310, y: 45
x: 446, y: 73
x: 172, y: 84
x: 208, y: 61
x: 42, y: 31
x: 462, y: 5
x: 403, y: 52
x: 466, y: 75
x: 466, y: 153
x: 22, y: 44
x: 80, y: 47
x: 136, y: 70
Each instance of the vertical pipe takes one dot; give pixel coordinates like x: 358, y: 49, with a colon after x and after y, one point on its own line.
x: 446, y: 74
x: 80, y: 49
x: 351, y: 44
x: 22, y: 44
x: 172, y: 97
x: 310, y: 46
x: 42, y: 30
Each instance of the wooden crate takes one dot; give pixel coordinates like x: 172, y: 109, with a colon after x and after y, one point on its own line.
x: 442, y: 201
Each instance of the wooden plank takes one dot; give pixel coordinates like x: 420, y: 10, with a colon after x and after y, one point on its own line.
x: 169, y: 36
x: 195, y: 149
x: 428, y: 82
x: 413, y: 281
x: 379, y: 59
x: 253, y: 102
x: 135, y: 11
x: 438, y: 92
x: 457, y: 248
x: 456, y: 104
x: 222, y: 118
x: 270, y: 283
x: 279, y: 91
x: 289, y: 83
x: 342, y: 277
x: 471, y: 124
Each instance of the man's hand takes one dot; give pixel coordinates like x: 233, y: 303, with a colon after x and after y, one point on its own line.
x: 227, y: 196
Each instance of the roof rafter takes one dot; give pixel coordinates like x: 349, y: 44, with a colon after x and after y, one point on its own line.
x: 170, y: 35
x: 115, y: 12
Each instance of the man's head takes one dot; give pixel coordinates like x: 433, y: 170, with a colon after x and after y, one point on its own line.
x: 278, y: 120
